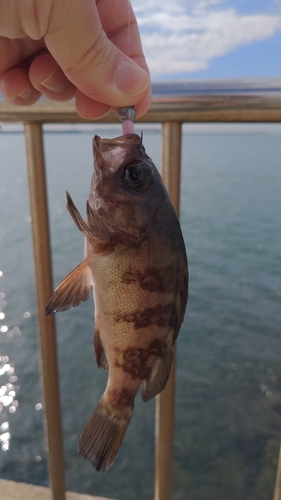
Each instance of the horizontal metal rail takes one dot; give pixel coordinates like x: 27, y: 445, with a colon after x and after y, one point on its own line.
x: 242, y: 107
x: 239, y: 102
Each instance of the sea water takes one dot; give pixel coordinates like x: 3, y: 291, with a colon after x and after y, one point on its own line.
x: 228, y: 403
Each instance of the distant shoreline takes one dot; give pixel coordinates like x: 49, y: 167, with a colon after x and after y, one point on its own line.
x: 187, y: 128
x: 215, y: 86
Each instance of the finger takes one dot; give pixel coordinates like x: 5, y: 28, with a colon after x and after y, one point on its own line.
x: 14, y: 52
x: 14, y: 64
x: 120, y: 26
x: 122, y: 30
x: 90, y: 60
x: 17, y: 89
x: 142, y: 106
x: 48, y: 78
x: 88, y: 108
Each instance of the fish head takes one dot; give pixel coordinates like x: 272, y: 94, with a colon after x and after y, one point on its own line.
x: 126, y: 187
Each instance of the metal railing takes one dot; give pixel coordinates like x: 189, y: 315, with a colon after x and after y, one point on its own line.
x: 238, y: 101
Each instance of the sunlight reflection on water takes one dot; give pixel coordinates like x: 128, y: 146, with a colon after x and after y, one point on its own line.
x: 8, y: 379
x: 8, y: 399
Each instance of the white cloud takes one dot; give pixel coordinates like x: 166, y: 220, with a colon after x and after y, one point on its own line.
x: 184, y: 37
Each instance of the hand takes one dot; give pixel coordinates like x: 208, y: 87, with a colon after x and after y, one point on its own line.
x: 64, y: 48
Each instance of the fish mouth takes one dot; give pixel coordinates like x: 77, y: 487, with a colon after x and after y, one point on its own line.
x: 111, y: 153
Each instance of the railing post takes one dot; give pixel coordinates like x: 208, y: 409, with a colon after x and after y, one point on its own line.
x: 42, y: 257
x: 277, y: 489
x: 164, y: 433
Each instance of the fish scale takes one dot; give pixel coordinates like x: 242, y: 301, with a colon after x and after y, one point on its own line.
x: 136, y: 264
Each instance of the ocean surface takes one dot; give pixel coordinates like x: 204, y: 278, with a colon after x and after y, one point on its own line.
x: 228, y: 404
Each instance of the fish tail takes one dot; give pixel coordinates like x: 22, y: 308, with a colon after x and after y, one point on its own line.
x: 104, y: 433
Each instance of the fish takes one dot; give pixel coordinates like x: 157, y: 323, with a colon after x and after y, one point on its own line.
x: 135, y: 262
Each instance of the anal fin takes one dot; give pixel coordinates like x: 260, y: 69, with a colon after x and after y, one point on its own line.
x: 73, y: 289
x: 99, y: 350
x: 159, y: 375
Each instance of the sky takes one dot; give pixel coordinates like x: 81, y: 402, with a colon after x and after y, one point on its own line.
x: 206, y: 39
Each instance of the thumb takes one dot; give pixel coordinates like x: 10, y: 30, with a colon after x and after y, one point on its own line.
x: 94, y: 63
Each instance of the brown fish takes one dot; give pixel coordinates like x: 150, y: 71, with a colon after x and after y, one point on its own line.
x: 135, y: 261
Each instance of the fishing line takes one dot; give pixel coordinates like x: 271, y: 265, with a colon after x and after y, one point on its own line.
x: 127, y: 115
x: 129, y: 25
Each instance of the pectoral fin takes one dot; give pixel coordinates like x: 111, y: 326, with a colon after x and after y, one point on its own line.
x: 95, y: 229
x: 72, y: 290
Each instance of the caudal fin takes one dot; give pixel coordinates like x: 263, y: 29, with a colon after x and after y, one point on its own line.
x: 104, y: 433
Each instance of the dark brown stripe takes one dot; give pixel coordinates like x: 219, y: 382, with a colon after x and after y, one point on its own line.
x: 158, y: 315
x: 133, y: 360
x: 153, y: 279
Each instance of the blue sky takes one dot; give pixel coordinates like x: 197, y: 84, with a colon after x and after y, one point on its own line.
x: 197, y: 39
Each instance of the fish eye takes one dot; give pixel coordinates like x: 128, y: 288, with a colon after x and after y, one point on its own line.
x: 137, y: 175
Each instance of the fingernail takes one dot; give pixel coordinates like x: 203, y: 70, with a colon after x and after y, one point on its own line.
x: 131, y: 79
x: 27, y: 93
x: 56, y: 81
